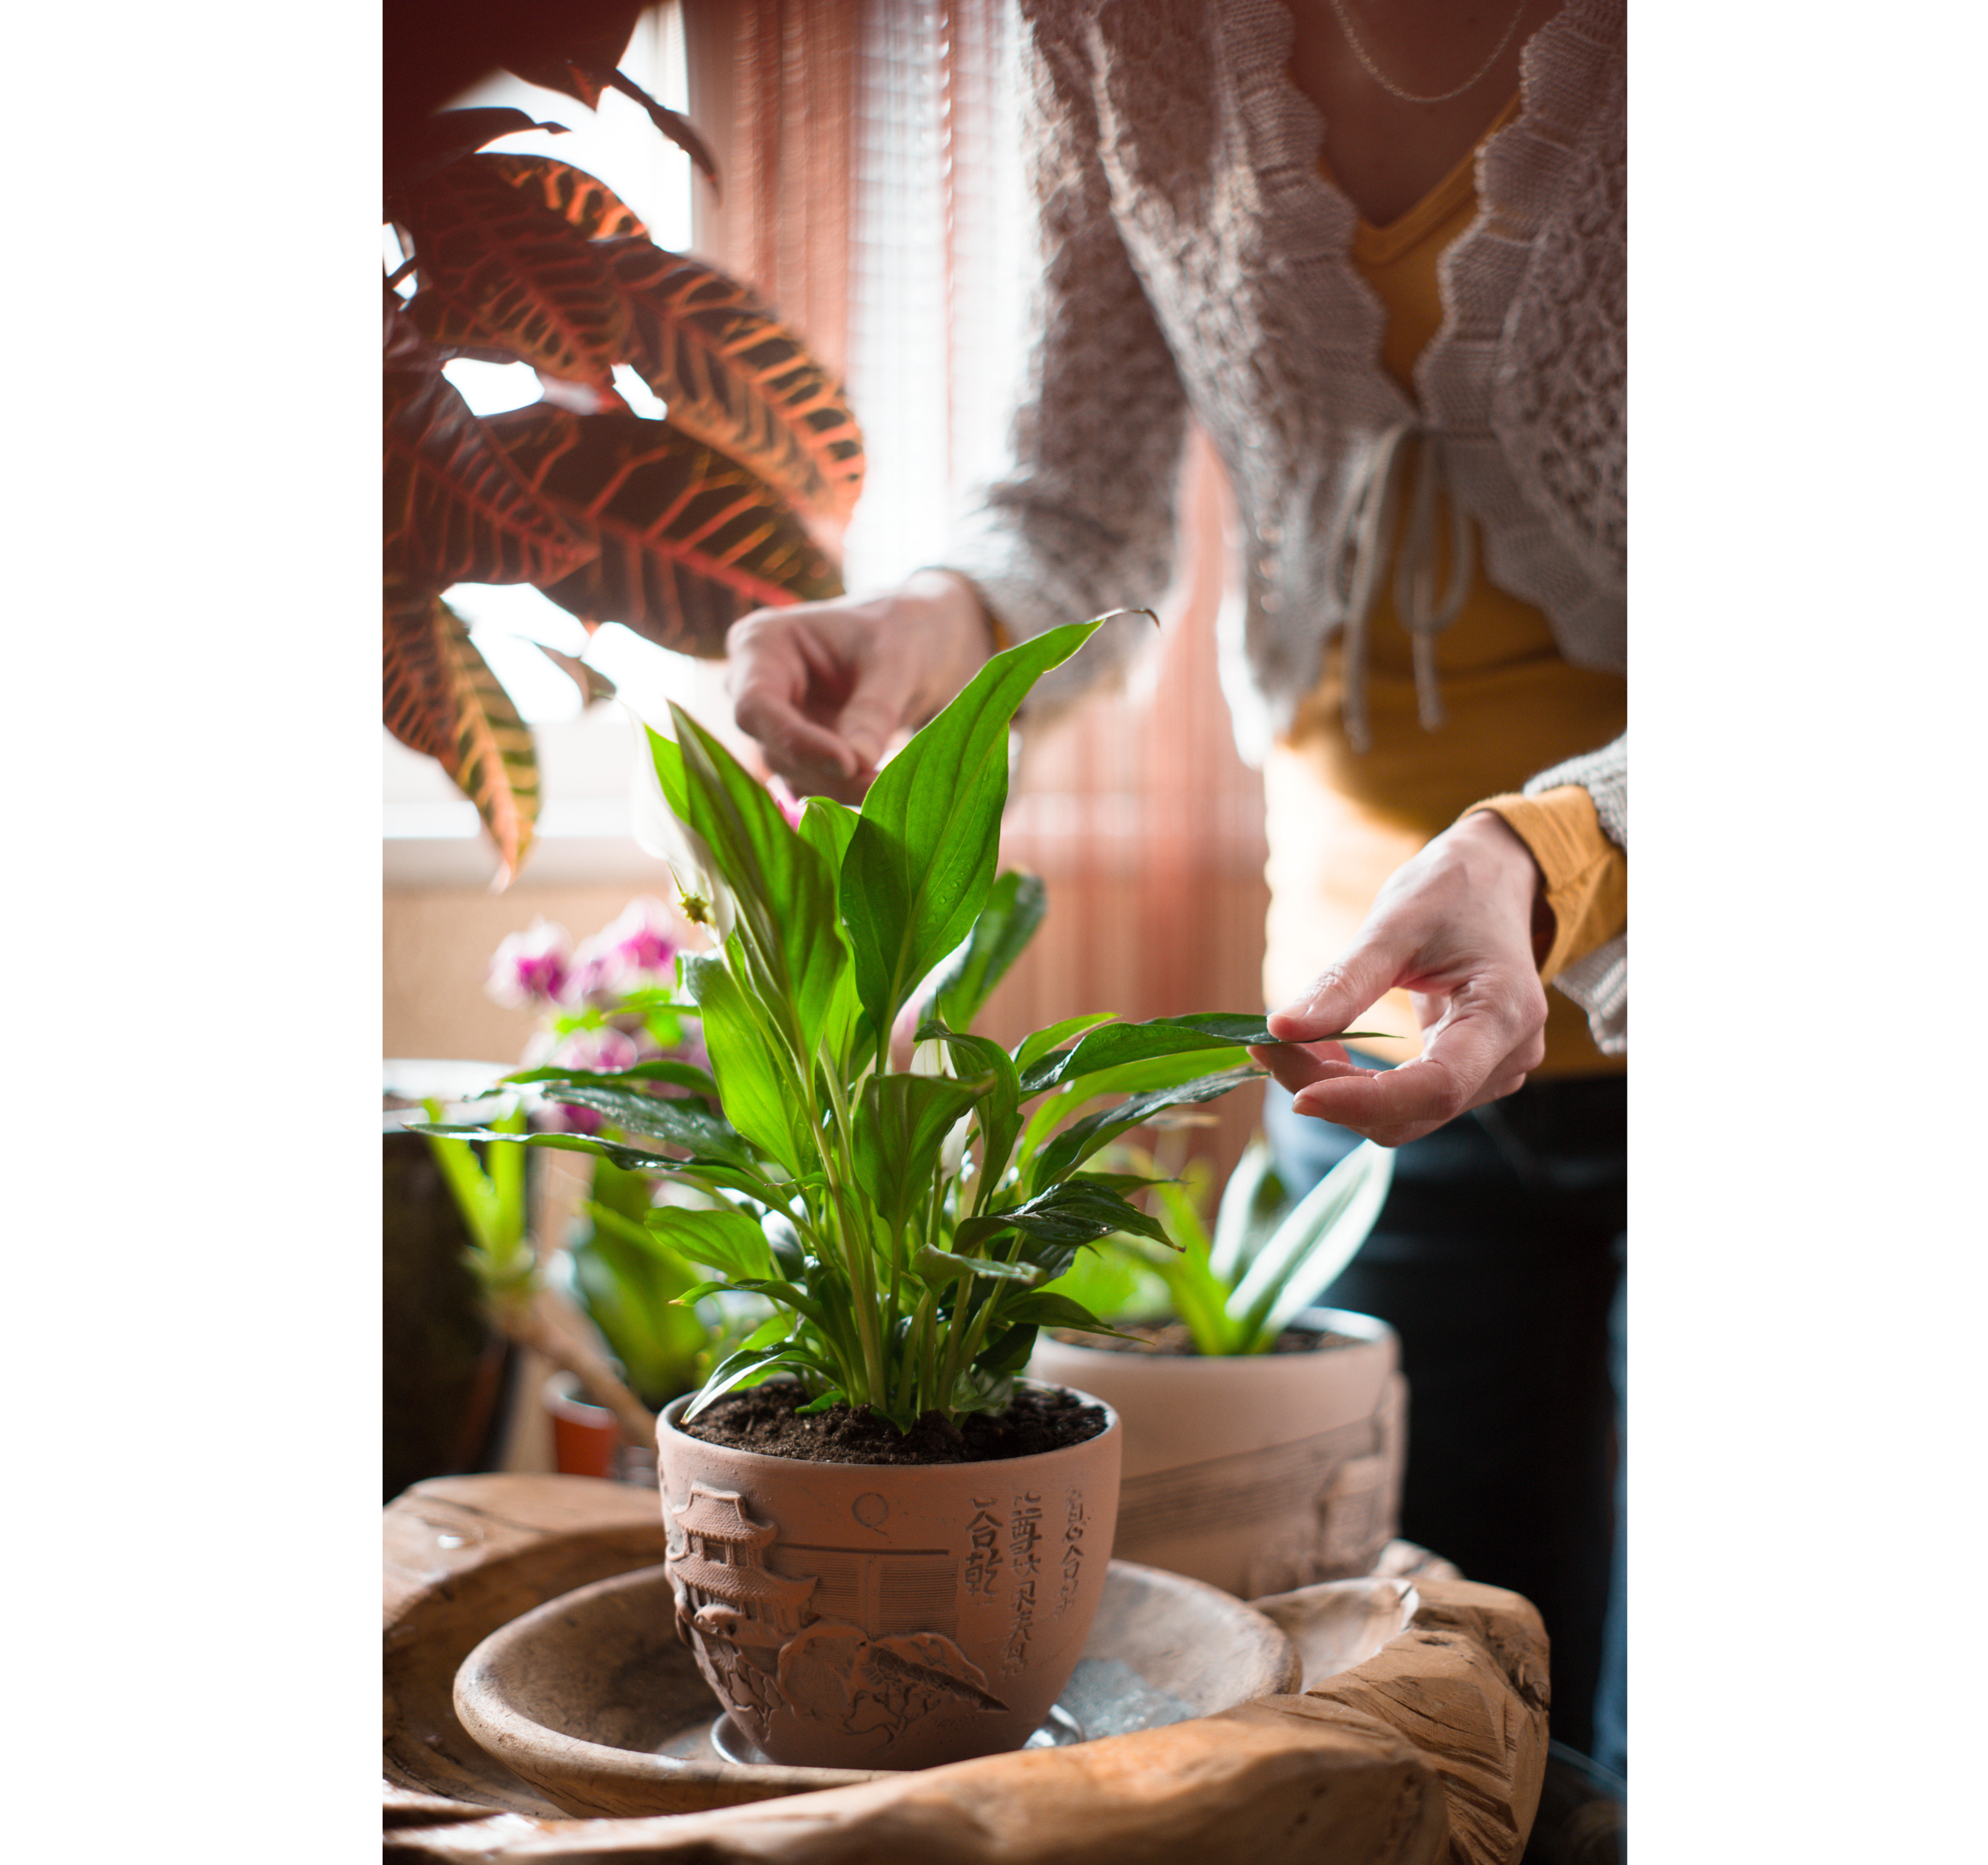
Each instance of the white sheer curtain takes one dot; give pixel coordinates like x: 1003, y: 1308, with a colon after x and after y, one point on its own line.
x: 1135, y: 809
x: 936, y: 282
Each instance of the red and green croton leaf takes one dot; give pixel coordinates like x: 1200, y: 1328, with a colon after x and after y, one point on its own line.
x: 456, y: 509
x: 500, y: 267
x: 689, y: 540
x: 442, y: 699
x: 590, y: 207
x: 736, y: 378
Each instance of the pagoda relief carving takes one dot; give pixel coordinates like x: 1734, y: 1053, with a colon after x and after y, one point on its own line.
x: 768, y: 1639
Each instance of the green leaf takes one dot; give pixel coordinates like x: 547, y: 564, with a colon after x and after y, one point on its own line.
x: 667, y: 757
x: 727, y: 1240
x: 827, y: 826
x: 1312, y: 1245
x: 753, y: 1180
x: 922, y: 861
x: 1077, y: 1142
x: 1075, y: 1211
x: 1044, y: 1308
x: 738, y: 1045
x: 737, y: 1369
x: 1140, y: 1078
x: 663, y: 1068
x: 900, y: 1122
x: 999, y: 1111
x: 941, y: 1266
x: 1014, y: 910
x: 785, y: 892
x: 1119, y: 1181
x: 1111, y: 1279
x: 1007, y: 1353
x: 678, y: 1123
x: 1123, y: 1043
x: 1033, y: 1047
x: 1250, y: 1202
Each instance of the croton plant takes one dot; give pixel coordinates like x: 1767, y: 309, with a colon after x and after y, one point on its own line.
x: 674, y: 526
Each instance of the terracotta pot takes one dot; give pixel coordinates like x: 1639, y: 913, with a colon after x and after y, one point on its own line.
x: 885, y: 1616
x: 1259, y: 1473
x: 586, y: 1441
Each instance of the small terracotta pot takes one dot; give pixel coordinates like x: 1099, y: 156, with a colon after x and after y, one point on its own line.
x: 885, y: 1616
x: 1259, y: 1473
x: 587, y: 1440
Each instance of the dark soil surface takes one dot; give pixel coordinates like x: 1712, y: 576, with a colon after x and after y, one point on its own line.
x: 1172, y: 1337
x: 763, y: 1418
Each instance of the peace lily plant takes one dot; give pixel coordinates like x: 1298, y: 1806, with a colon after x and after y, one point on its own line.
x: 1237, y: 1285
x: 899, y: 1222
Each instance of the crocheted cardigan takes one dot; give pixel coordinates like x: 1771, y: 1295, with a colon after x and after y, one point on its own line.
x: 1194, y: 260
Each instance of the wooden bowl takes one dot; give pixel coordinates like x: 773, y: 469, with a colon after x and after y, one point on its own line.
x: 591, y: 1698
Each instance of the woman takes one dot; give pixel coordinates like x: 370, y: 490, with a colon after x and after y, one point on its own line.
x: 1386, y: 276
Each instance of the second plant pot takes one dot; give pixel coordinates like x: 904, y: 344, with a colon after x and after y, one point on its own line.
x: 1258, y: 1473
x: 885, y: 1616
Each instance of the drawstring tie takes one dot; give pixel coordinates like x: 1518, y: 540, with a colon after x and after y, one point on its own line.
x: 1403, y: 449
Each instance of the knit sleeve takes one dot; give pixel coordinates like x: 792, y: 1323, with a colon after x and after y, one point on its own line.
x: 1081, y: 518
x: 1599, y: 983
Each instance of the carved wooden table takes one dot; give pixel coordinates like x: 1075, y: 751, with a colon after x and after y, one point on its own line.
x: 1428, y: 1752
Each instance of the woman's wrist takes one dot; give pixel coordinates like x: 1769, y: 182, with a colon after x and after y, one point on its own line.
x: 961, y: 632
x: 1509, y: 870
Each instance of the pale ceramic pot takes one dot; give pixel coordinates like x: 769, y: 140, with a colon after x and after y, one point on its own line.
x: 1259, y: 1473
x: 885, y: 1616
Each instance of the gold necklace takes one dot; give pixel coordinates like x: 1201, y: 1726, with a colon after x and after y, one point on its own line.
x: 1394, y: 89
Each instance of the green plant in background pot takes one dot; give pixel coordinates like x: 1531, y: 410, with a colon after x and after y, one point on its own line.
x: 1236, y: 1286
x: 900, y: 1191
x: 1264, y: 1437
x: 520, y: 1300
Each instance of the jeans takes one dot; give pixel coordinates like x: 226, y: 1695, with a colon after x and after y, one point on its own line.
x: 1497, y: 1258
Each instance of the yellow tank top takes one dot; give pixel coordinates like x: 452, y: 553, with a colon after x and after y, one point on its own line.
x: 1341, y: 822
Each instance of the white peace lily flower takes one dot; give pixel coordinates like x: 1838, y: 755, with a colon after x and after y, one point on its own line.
x: 936, y: 1058
x: 660, y: 831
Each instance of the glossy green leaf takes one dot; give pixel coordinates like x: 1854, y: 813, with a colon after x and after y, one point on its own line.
x: 726, y: 1240
x: 1073, y: 1213
x: 1014, y: 910
x: 1008, y: 1353
x: 740, y: 1047
x: 999, y: 1115
x: 941, y: 1266
x: 1120, y: 1043
x: 741, y: 1368
x: 1043, y: 1308
x: 1317, y: 1241
x: 661, y: 1068
x: 678, y: 1123
x: 827, y: 826
x: 901, y: 1122
x: 922, y: 861
x: 1031, y: 1048
x: 786, y: 892
x: 1078, y: 1142
x: 1250, y: 1202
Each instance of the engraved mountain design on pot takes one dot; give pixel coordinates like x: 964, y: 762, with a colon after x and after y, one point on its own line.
x: 761, y: 1642
x: 835, y: 1671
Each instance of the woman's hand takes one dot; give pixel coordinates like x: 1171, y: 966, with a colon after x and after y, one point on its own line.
x: 1461, y: 927
x: 824, y: 686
